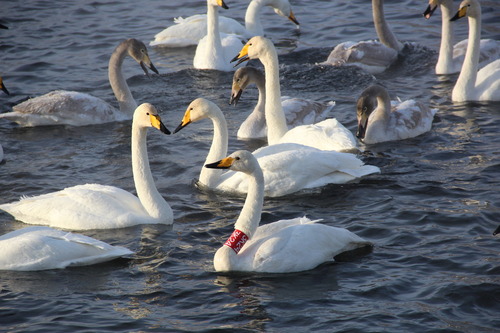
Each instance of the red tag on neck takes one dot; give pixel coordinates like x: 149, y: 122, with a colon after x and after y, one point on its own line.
x: 236, y: 240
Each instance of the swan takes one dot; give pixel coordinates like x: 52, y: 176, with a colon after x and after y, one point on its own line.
x: 213, y: 50
x: 474, y: 85
x: 284, y: 246
x: 188, y: 31
x: 328, y: 134
x: 287, y: 167
x: 40, y: 248
x: 73, y: 108
x: 378, y: 121
x: 451, y: 57
x: 373, y: 56
x: 298, y: 111
x: 94, y: 206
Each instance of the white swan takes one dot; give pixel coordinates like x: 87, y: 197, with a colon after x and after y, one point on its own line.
x: 373, y: 56
x: 94, y: 206
x: 214, y: 50
x: 298, y: 111
x: 188, y: 31
x: 474, y: 85
x: 41, y: 248
x: 62, y: 107
x: 328, y: 134
x: 378, y: 121
x: 280, y: 247
x: 287, y: 167
x: 451, y: 57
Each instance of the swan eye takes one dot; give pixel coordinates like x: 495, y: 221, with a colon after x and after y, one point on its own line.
x: 237, y: 158
x: 365, y: 109
x: 147, y: 113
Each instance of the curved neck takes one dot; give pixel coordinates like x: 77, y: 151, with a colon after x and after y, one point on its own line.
x: 249, y: 218
x: 218, y: 150
x: 445, y: 60
x: 253, y: 23
x: 150, y: 198
x: 466, y: 81
x: 383, y: 31
x: 275, y: 116
x: 260, y: 82
x: 118, y: 83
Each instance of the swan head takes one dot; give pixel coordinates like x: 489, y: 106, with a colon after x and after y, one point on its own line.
x: 253, y: 49
x: 3, y: 87
x: 469, y: 8
x: 366, y: 104
x: 283, y: 8
x: 138, y: 51
x: 146, y: 116
x: 198, y: 109
x: 242, y: 78
x: 241, y: 160
x: 433, y: 4
x: 217, y: 3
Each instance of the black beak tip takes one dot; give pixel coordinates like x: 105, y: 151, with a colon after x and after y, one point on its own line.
x: 153, y: 68
x: 164, y: 129
x: 181, y: 126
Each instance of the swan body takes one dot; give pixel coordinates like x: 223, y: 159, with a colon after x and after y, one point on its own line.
x: 188, y: 31
x: 474, y: 85
x: 94, y: 206
x: 79, y: 109
x: 373, y: 56
x: 214, y: 50
x: 378, y: 121
x: 284, y: 246
x: 451, y: 57
x: 261, y: 48
x: 40, y: 248
x: 298, y: 111
x: 287, y: 167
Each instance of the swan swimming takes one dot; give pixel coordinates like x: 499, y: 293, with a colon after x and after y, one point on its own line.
x: 214, y: 50
x: 40, y: 248
x: 298, y: 111
x: 94, y: 206
x: 283, y: 246
x: 474, y: 85
x: 378, y: 121
x: 451, y: 57
x: 61, y: 107
x: 188, y: 31
x: 328, y: 134
x: 287, y: 167
x: 373, y: 56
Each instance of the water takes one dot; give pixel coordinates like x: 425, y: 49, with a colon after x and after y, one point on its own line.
x: 430, y: 213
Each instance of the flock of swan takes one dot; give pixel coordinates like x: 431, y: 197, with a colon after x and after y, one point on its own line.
x: 306, y: 148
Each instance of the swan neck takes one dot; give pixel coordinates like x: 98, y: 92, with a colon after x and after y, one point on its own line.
x: 213, y: 35
x: 249, y: 218
x: 384, y: 32
x: 218, y: 150
x: 445, y: 60
x: 466, y: 81
x: 253, y: 24
x: 275, y: 116
x: 150, y: 198
x: 118, y: 83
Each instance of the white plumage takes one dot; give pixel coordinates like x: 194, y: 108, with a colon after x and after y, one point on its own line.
x: 284, y: 246
x: 94, y: 206
x: 41, y: 248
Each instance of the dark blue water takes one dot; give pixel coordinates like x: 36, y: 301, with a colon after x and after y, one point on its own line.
x: 430, y: 213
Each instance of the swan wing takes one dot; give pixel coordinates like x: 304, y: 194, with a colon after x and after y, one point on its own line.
x: 409, y: 119
x: 300, y: 247
x: 488, y: 82
x: 300, y: 111
x: 63, y: 107
x: 40, y: 248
